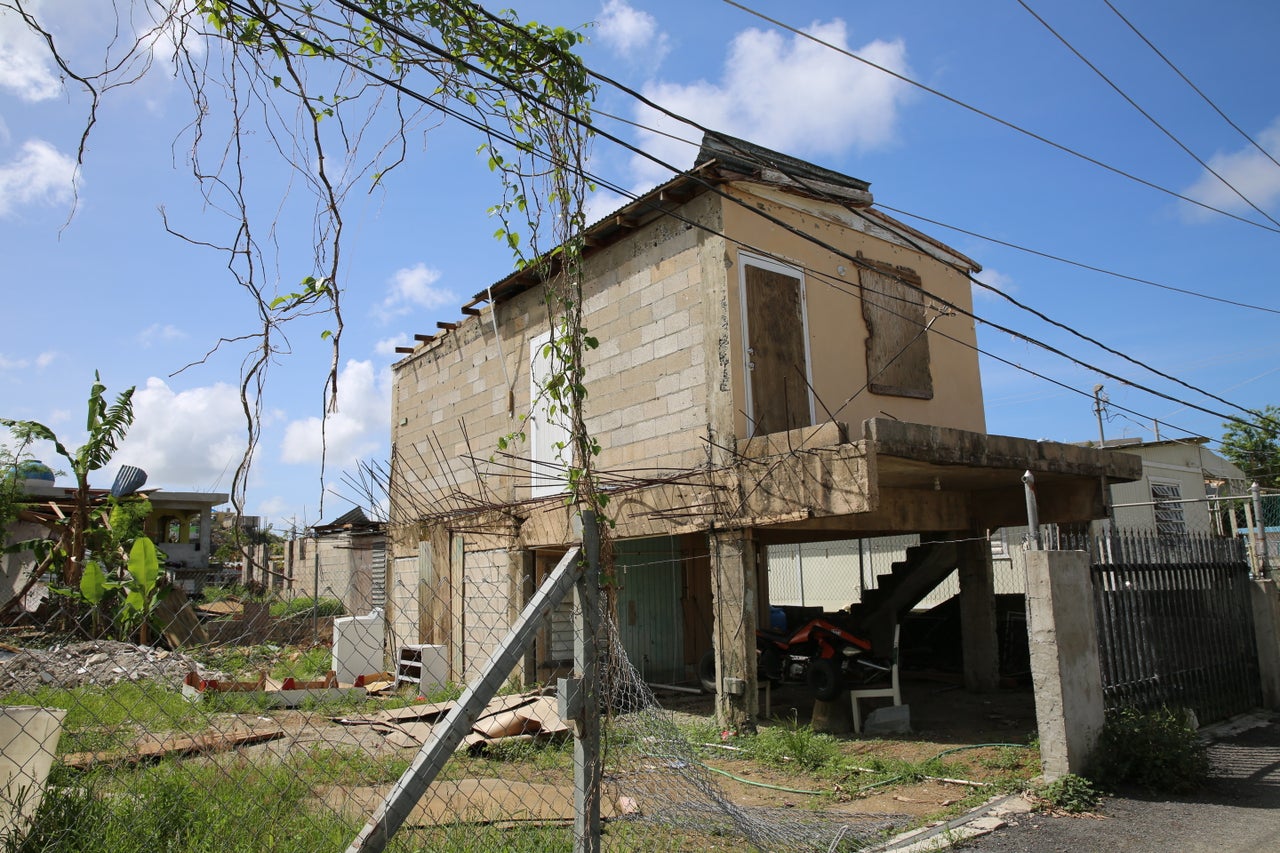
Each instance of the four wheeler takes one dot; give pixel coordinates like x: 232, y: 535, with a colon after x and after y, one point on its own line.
x: 821, y: 653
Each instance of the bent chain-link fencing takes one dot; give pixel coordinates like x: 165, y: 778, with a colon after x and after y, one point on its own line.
x: 282, y: 715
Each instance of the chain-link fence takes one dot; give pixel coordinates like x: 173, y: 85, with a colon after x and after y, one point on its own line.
x: 260, y: 717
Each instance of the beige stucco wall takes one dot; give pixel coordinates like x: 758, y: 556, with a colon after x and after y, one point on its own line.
x: 837, y: 330
x: 648, y: 382
x: 1187, y: 464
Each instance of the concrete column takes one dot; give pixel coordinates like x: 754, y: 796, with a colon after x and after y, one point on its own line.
x: 1063, y: 635
x: 521, y: 570
x: 733, y: 602
x: 206, y: 533
x: 1266, y: 628
x: 978, y: 617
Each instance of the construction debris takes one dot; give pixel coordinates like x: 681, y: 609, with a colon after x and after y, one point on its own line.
x: 289, y: 693
x: 98, y: 662
x: 518, y: 716
x: 152, y: 747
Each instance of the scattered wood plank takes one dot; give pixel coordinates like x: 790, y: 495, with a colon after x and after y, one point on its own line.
x: 151, y: 748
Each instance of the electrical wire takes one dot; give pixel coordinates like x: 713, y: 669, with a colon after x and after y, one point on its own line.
x: 1193, y: 86
x: 978, y: 111
x: 774, y: 220
x: 995, y: 240
x: 1131, y: 102
x: 1079, y: 264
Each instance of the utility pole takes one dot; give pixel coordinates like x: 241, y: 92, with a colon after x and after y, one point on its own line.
x: 1098, y: 400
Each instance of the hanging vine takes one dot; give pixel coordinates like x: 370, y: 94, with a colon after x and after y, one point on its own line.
x: 337, y: 88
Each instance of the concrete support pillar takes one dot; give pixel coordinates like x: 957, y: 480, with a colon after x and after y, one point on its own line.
x: 1063, y: 635
x: 206, y: 532
x: 521, y: 568
x: 978, y: 617
x: 1265, y: 597
x: 734, y: 603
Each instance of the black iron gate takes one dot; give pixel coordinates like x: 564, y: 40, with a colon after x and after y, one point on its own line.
x: 1175, y: 625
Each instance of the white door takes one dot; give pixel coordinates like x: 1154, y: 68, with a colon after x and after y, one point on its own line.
x: 548, y: 432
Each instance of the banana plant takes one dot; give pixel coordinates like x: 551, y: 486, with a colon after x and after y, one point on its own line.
x: 95, y: 586
x: 143, y: 592
x: 106, y: 426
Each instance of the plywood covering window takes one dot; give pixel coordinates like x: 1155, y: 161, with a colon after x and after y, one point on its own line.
x: 897, y: 346
x: 777, y: 352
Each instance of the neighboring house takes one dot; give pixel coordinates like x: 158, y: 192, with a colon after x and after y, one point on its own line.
x: 1178, y: 493
x: 778, y: 362
x: 343, y: 559
x: 180, y: 524
x: 1181, y: 478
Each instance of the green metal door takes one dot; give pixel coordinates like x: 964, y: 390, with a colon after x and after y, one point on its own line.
x: 650, y: 617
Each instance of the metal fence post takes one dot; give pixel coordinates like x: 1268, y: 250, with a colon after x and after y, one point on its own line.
x: 1033, y: 510
x: 1260, y: 531
x: 587, y: 770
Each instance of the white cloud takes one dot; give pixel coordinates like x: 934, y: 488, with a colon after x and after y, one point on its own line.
x: 1248, y: 170
x: 25, y: 68
x: 996, y: 279
x: 631, y: 33
x: 387, y: 346
x: 600, y: 204
x: 361, y: 426
x: 790, y: 94
x: 410, y: 288
x: 162, y: 333
x: 41, y: 174
x: 189, y: 439
x: 80, y: 29
x: 40, y: 362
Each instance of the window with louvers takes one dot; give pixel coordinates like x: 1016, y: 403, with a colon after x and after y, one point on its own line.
x: 1170, y: 520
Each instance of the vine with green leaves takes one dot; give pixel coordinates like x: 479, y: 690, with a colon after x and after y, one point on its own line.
x: 327, y: 82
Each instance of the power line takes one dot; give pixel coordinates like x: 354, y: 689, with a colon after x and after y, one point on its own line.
x: 1145, y: 114
x: 1193, y: 86
x: 857, y: 261
x: 1079, y: 264
x: 1006, y: 123
x: 1018, y: 247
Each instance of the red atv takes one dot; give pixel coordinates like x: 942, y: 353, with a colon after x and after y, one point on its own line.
x: 820, y: 653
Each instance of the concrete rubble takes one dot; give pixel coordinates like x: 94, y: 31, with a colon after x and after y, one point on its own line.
x: 100, y: 662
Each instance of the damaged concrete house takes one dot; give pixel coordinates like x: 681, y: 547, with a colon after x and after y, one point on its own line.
x: 779, y: 362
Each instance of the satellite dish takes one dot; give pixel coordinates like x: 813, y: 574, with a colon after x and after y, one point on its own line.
x: 128, y: 480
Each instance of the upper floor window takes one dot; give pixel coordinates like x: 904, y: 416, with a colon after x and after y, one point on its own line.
x: 897, y: 339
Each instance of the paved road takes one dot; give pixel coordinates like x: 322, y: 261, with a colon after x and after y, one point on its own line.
x: 1238, y: 813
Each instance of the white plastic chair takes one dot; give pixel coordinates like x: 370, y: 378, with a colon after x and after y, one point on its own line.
x: 893, y: 691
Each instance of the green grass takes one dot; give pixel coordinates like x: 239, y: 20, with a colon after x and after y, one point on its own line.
x: 306, y: 605
x: 104, y: 718
x: 797, y: 749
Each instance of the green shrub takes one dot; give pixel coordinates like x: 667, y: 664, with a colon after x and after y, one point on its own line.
x: 1070, y: 793
x: 1155, y: 750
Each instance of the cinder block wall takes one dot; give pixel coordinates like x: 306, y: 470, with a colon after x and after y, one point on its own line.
x: 645, y: 301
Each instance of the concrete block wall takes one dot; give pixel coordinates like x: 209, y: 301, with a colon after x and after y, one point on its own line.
x: 345, y: 571
x: 485, y: 607
x: 647, y: 382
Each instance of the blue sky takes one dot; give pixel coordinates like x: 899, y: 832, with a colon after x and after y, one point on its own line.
x: 93, y: 281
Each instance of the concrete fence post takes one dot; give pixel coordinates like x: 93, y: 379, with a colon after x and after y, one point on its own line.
x: 1063, y: 635
x: 1265, y: 598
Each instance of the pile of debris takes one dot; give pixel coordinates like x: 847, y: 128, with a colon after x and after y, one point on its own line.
x: 100, y: 662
